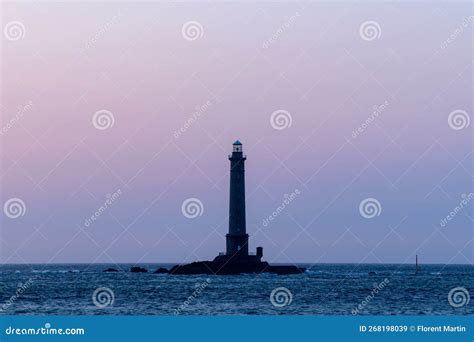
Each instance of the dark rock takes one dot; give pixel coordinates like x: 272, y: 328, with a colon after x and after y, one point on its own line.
x: 110, y: 270
x: 287, y: 269
x: 372, y: 273
x: 136, y: 269
x: 161, y: 270
x: 228, y: 265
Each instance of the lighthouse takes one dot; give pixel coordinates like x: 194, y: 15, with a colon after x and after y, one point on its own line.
x: 237, y: 239
x: 236, y: 259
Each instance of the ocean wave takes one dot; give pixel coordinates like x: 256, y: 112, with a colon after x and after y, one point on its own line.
x: 55, y: 271
x: 319, y: 272
x: 356, y: 274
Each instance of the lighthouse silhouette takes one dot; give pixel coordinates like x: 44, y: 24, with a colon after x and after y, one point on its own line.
x: 236, y: 259
x: 237, y: 239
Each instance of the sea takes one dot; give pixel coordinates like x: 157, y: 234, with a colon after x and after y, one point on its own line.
x: 324, y: 289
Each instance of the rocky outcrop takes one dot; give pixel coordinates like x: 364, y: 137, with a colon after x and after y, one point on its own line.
x: 161, y: 270
x: 225, y: 265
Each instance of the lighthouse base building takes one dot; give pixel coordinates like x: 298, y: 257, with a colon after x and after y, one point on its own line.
x: 236, y: 259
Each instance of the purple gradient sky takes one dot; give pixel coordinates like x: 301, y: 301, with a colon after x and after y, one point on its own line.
x: 132, y: 60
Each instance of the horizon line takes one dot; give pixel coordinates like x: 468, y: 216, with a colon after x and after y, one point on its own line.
x: 180, y: 263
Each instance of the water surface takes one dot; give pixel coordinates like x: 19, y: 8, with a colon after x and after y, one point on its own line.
x: 325, y: 289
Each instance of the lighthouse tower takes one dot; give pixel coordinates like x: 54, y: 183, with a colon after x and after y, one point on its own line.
x: 237, y: 239
x: 236, y: 259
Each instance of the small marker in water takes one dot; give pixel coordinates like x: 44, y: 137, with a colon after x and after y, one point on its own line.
x: 416, y: 270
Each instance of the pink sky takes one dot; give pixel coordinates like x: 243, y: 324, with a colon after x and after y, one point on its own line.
x: 248, y: 61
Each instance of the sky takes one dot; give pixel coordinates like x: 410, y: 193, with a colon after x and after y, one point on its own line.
x: 355, y: 119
